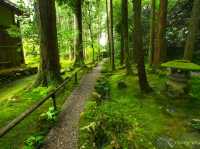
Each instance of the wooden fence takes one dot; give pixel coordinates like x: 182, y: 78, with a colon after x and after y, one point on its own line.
x: 51, y: 95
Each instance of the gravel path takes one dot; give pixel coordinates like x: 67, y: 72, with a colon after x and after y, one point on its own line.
x: 65, y: 134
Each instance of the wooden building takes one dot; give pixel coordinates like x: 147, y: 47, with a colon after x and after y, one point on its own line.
x: 11, y: 51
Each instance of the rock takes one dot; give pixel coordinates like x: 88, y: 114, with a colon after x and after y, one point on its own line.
x: 27, y: 73
x: 165, y: 142
x: 96, y: 95
x: 18, y: 74
x: 170, y: 111
x: 97, y: 98
x: 121, y: 85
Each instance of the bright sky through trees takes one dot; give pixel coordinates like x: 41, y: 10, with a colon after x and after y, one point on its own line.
x: 103, y: 39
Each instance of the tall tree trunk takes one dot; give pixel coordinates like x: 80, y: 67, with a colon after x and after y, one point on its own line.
x: 125, y: 36
x: 111, y: 40
x: 161, y: 50
x: 138, y: 42
x: 71, y: 23
x: 79, y: 60
x: 49, y: 71
x: 108, y: 31
x: 99, y: 37
x: 98, y: 11
x: 91, y: 33
x: 122, y: 50
x: 92, y: 42
x: 152, y: 31
x: 194, y: 31
x: 74, y: 39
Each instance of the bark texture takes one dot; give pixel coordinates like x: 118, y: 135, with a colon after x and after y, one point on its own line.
x: 111, y: 40
x: 161, y: 49
x: 108, y: 31
x: 79, y: 59
x: 91, y: 31
x: 194, y: 31
x: 152, y: 31
x: 122, y: 50
x: 49, y: 71
x: 138, y: 42
x: 125, y: 35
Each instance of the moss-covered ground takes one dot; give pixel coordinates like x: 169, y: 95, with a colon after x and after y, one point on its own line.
x: 17, y: 97
x: 10, y: 89
x: 132, y: 120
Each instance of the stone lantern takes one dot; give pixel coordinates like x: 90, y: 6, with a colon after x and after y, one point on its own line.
x: 178, y: 83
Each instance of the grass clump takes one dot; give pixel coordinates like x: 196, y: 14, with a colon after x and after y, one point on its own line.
x: 103, y: 88
x: 33, y: 142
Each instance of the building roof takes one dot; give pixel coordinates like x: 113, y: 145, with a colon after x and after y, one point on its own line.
x: 12, y: 6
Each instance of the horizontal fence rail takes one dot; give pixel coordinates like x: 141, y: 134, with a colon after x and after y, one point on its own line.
x: 51, y: 95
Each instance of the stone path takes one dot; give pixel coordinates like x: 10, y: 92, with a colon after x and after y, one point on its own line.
x: 65, y: 134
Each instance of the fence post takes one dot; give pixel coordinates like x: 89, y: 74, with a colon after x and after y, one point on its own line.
x: 53, y: 97
x: 76, y: 78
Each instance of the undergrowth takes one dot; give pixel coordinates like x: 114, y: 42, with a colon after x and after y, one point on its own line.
x: 131, y: 120
x: 32, y: 130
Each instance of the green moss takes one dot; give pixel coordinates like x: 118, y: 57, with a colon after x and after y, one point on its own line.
x: 11, y: 89
x: 128, y: 110
x: 144, y: 118
x: 16, y: 99
x: 182, y: 64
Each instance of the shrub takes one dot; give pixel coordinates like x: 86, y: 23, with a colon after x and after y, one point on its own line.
x: 34, y: 141
x: 107, y: 129
x: 50, y: 115
x: 103, y: 88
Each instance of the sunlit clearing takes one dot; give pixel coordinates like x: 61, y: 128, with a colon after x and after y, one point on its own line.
x: 103, y: 39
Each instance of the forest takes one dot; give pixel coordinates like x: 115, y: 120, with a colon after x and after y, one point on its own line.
x: 100, y: 74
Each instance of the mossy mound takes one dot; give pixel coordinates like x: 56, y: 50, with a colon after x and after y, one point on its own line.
x: 181, y: 64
